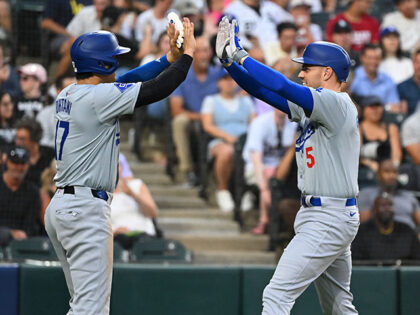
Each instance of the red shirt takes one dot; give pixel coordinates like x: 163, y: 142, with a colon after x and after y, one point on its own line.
x: 365, y: 31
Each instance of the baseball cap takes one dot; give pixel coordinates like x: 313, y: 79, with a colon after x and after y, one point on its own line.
x: 371, y: 100
x: 389, y: 30
x: 18, y: 154
x: 342, y: 26
x: 36, y: 70
x: 187, y: 7
x: 297, y: 3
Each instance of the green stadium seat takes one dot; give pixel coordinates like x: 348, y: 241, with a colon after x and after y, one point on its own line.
x: 36, y: 248
x: 160, y: 250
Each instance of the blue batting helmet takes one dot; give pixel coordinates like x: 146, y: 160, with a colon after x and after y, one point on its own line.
x: 95, y: 52
x: 328, y: 55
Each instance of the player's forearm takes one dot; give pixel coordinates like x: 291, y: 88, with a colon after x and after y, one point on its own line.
x: 145, y: 72
x: 249, y: 84
x: 277, y: 82
x: 164, y: 84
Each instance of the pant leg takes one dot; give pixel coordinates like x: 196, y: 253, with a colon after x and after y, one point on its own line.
x: 333, y: 287
x: 84, y: 231
x: 319, y: 241
x: 180, y: 129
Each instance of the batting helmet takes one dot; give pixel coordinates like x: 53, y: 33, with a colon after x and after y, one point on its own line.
x: 94, y: 52
x: 328, y: 55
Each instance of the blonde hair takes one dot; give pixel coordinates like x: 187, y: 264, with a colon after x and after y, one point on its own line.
x: 47, y: 177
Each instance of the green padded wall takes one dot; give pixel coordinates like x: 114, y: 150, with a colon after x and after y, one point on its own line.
x: 175, y: 290
x: 410, y: 290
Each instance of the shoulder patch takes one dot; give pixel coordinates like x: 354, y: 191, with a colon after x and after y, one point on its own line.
x: 319, y: 89
x: 123, y: 86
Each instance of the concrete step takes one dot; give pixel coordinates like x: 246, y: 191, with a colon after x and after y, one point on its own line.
x: 204, y: 213
x: 146, y: 168
x: 155, y: 179
x: 174, y: 190
x: 179, y: 202
x: 241, y: 242
x: 234, y: 257
x: 198, y: 226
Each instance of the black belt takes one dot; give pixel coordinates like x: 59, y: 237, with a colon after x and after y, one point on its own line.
x: 101, y: 194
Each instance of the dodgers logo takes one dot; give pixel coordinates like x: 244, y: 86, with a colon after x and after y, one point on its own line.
x: 305, y: 134
x: 123, y: 86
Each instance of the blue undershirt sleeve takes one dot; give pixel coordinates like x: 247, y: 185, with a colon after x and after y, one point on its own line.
x: 249, y: 84
x: 145, y: 72
x: 277, y: 82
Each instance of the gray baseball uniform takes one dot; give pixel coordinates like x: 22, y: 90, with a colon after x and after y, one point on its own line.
x: 78, y: 217
x: 327, y: 152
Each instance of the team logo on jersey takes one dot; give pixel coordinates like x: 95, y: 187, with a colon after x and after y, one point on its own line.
x: 305, y: 134
x: 123, y: 86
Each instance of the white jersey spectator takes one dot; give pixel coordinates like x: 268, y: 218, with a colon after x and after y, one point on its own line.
x: 274, y: 14
x: 88, y: 19
x: 410, y: 136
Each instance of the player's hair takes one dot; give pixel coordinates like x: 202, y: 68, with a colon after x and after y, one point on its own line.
x: 285, y: 26
x: 369, y: 46
x: 32, y: 126
x: 85, y: 75
x: 59, y: 82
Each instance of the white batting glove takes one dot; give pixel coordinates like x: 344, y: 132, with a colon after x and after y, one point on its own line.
x: 174, y: 19
x: 235, y: 50
x: 223, y: 38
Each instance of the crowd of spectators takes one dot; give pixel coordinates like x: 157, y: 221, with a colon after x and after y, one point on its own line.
x: 384, y: 83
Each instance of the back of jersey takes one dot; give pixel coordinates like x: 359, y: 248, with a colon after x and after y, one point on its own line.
x: 88, y: 133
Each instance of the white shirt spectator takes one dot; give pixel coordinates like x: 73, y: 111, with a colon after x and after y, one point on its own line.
x: 85, y: 21
x: 46, y: 118
x: 398, y: 69
x: 127, y: 25
x: 148, y: 17
x: 274, y: 15
x: 409, y: 29
x: 410, y: 130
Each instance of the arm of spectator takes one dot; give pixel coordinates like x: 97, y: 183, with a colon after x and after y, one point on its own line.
x: 285, y: 164
x: 177, y: 107
x: 213, y: 130
x: 257, y: 163
x: 141, y: 6
x: 414, y: 151
x: 329, y: 5
x: 18, y: 234
x: 396, y: 151
x: 365, y: 215
x: 54, y: 27
x: 146, y: 45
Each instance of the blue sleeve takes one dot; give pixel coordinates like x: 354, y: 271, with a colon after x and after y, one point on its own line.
x: 249, y: 84
x: 276, y: 82
x: 145, y: 72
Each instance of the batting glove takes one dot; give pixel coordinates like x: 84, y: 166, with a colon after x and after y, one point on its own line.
x: 235, y: 50
x: 222, y: 39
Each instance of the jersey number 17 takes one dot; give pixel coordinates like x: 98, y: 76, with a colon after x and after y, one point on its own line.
x: 60, y: 139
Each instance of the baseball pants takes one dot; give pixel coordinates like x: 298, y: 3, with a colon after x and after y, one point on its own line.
x: 79, y: 227
x: 320, y: 252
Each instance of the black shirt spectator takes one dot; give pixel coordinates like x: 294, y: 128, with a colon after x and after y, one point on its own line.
x: 62, y: 11
x: 7, y: 131
x: 382, y: 238
x: 19, y: 199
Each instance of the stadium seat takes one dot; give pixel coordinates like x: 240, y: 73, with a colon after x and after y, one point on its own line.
x: 160, y: 250
x: 120, y: 255
x: 37, y: 248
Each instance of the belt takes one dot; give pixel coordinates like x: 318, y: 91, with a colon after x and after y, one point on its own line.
x: 101, y: 194
x: 316, y: 202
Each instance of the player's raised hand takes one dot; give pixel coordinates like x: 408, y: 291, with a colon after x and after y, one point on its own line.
x: 189, y: 40
x: 223, y: 39
x: 174, y: 52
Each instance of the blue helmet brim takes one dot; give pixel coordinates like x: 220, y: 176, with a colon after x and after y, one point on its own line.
x: 122, y: 50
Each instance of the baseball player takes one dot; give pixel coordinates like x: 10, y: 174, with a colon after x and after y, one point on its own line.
x: 327, y: 152
x: 86, y: 147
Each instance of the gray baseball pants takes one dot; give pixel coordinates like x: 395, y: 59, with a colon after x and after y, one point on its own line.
x: 79, y: 228
x: 320, y: 252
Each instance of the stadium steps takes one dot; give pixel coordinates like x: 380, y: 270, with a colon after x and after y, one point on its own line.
x: 212, y: 235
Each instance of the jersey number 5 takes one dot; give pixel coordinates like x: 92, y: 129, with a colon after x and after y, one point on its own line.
x: 62, y: 138
x: 310, y: 157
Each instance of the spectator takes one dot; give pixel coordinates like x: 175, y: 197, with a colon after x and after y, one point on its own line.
x: 31, y: 100
x: 407, y: 208
x: 275, y: 11
x: 284, y: 46
x: 57, y: 15
x: 131, y: 7
x: 46, y: 115
x: 132, y: 210
x: 368, y: 80
x: 407, y: 21
x: 378, y: 140
x: 394, y: 63
x: 194, y: 12
x: 410, y: 136
x: 254, y: 29
x: 7, y: 131
x: 153, y: 19
x: 365, y: 27
x: 186, y: 104
x: 307, y: 31
x: 9, y: 78
x: 382, y: 238
x: 5, y: 20
x: 28, y: 135
x: 269, y: 136
x: 19, y: 199
x: 342, y: 34
x: 225, y: 117
x: 48, y: 188
x: 409, y: 90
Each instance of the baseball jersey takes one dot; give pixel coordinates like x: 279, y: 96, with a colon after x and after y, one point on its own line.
x: 88, y: 133
x: 328, y: 145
